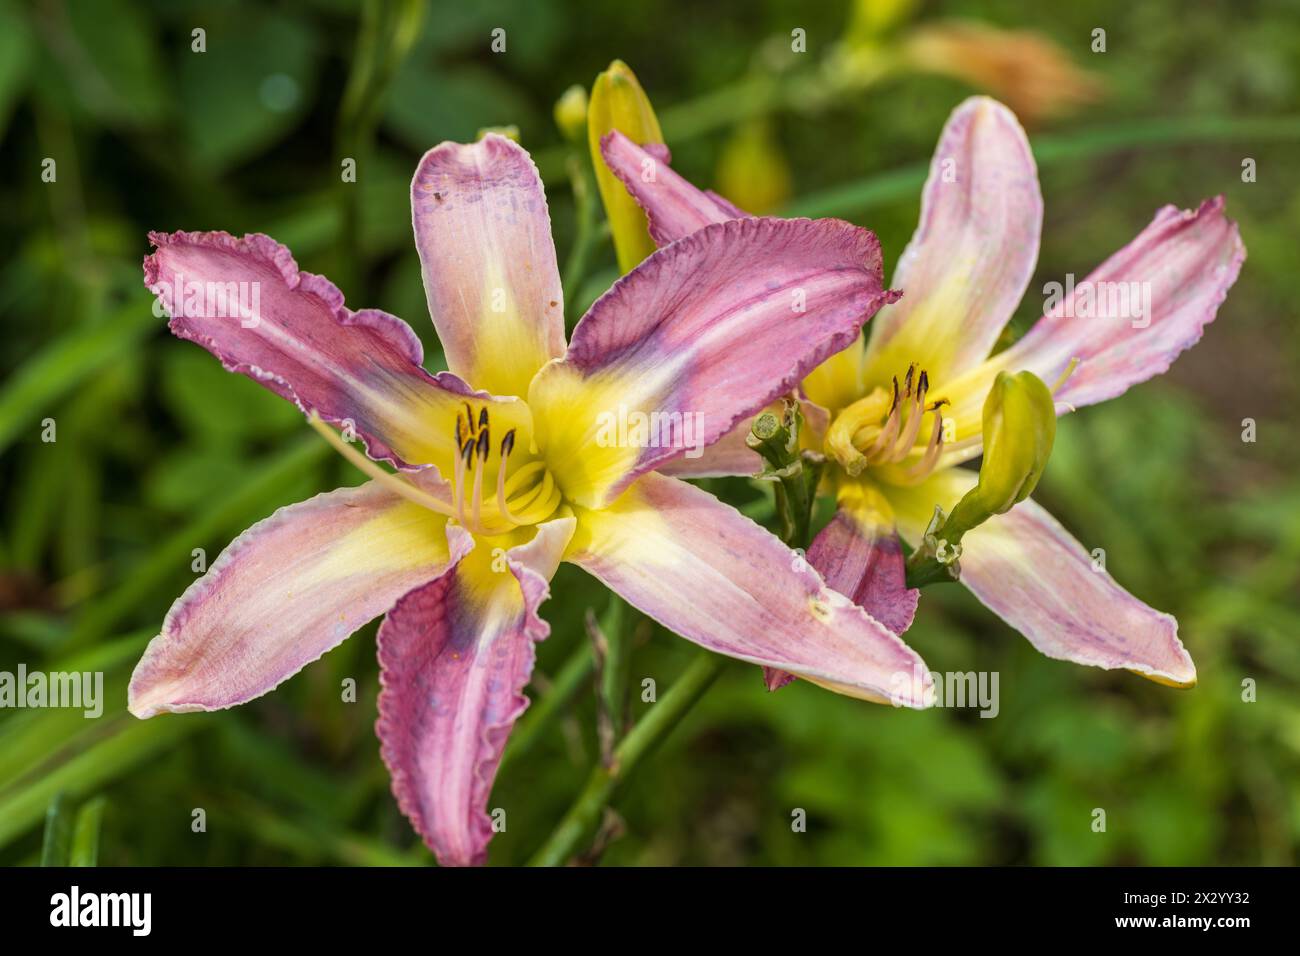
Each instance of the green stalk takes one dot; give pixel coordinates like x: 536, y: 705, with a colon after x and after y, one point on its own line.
x: 573, y: 675
x: 586, y: 231
x: 604, y: 783
x: 388, y: 29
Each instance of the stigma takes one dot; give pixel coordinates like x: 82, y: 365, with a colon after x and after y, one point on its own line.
x: 885, y: 428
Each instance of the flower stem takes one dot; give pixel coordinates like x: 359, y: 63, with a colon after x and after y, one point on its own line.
x: 388, y: 30
x: 795, y: 473
x: 573, y: 676
x: 586, y: 231
x: 604, y: 782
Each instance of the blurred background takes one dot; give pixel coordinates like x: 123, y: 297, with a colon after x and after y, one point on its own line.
x: 159, y: 451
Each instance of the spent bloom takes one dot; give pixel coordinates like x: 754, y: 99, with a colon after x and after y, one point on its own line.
x: 499, y: 475
x: 928, y: 393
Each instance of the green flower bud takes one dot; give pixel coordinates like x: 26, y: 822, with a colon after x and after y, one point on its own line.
x: 618, y: 102
x: 571, y: 113
x: 1019, y: 430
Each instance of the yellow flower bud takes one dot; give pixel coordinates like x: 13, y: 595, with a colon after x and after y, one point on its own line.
x: 509, y: 132
x: 571, y: 113
x: 752, y: 172
x: 869, y: 19
x: 618, y: 102
x: 1019, y: 430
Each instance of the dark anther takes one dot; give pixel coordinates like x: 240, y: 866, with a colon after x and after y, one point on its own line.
x: 508, y: 444
x: 483, y: 418
x: 483, y: 442
x: 469, y: 416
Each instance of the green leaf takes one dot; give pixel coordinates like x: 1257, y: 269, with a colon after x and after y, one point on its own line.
x: 15, y: 59
x: 57, y: 844
x: 216, y: 407
x: 251, y: 86
x: 33, y: 390
x: 126, y: 745
x: 427, y: 105
x: 85, y: 838
x: 108, y: 55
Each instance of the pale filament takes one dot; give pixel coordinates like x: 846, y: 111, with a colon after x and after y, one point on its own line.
x: 896, y: 439
x: 882, y: 437
x: 393, y: 482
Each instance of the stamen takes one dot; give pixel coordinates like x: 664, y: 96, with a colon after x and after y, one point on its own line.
x: 927, y: 462
x: 462, y: 463
x: 507, y: 445
x: 915, y: 413
x: 469, y: 416
x: 483, y: 418
x: 480, y: 466
x: 890, y: 432
x: 388, y: 480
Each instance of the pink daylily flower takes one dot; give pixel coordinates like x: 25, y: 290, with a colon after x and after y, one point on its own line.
x: 501, y: 473
x: 965, y: 270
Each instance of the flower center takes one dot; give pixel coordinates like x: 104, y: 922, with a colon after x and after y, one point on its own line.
x: 524, y: 494
x: 886, y: 428
x: 527, y: 495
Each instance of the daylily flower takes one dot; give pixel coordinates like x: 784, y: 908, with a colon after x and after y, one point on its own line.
x: 906, y: 410
x: 499, y: 473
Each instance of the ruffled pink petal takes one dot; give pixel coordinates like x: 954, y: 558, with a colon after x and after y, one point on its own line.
x: 710, y: 330
x: 1034, y: 575
x: 973, y: 254
x: 1187, y: 259
x: 716, y: 578
x: 455, y: 656
x: 245, y: 301
x: 484, y: 237
x: 284, y: 592
x: 674, y: 207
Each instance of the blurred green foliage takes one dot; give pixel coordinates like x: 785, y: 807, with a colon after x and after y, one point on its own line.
x: 159, y: 451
